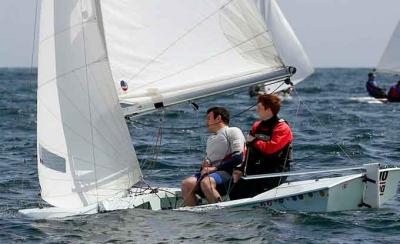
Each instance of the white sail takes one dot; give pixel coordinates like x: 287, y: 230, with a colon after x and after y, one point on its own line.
x: 286, y: 42
x: 166, y: 52
x: 85, y: 152
x: 390, y: 60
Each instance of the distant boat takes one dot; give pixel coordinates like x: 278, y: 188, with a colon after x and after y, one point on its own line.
x: 390, y: 60
x: 190, y: 49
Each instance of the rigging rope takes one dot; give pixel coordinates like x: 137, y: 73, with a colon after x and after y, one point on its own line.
x: 34, y: 39
x: 321, y: 124
x: 155, y: 149
x: 31, y: 81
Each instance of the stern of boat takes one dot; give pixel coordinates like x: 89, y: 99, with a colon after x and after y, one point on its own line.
x: 389, y: 178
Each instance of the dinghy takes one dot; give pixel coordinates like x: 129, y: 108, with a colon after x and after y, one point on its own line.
x: 390, y: 61
x: 100, y: 61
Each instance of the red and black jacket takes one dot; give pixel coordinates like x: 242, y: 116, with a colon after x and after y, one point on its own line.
x: 394, y: 94
x: 271, y: 151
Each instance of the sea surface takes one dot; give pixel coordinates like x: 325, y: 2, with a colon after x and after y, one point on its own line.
x: 332, y: 126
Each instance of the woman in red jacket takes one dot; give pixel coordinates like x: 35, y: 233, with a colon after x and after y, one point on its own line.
x: 394, y: 93
x: 269, y: 150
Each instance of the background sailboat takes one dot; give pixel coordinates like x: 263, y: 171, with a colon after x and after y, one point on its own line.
x: 388, y: 63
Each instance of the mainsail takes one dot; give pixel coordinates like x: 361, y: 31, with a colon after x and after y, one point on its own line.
x: 288, y: 46
x: 390, y: 60
x: 166, y: 52
x: 85, y: 152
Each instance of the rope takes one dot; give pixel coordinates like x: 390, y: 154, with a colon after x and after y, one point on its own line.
x: 159, y: 139
x: 287, y: 153
x: 32, y: 74
x: 320, y: 123
x: 34, y: 40
x: 155, y: 148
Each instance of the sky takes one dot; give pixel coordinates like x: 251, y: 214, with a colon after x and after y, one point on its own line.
x: 334, y: 33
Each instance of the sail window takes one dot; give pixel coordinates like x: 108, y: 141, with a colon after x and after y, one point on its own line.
x: 51, y: 160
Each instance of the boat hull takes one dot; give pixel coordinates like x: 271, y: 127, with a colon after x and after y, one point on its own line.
x: 321, y: 195
x: 351, y: 192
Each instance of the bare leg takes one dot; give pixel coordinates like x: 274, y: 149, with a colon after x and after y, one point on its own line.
x: 188, y: 194
x: 209, y: 188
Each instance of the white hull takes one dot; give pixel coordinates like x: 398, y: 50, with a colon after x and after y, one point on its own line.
x: 371, y: 100
x: 349, y: 192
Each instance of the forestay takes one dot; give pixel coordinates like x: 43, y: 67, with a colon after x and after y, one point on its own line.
x: 165, y: 52
x: 85, y: 152
x: 286, y: 42
x: 390, y: 60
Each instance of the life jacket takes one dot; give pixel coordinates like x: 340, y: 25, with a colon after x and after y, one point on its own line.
x: 394, y: 94
x: 259, y: 162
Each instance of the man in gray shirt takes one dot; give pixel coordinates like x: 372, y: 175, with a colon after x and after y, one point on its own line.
x: 224, y: 151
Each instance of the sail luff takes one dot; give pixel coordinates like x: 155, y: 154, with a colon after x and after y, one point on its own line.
x: 85, y: 153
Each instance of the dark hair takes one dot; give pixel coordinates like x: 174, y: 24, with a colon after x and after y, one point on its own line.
x: 223, y: 112
x: 370, y: 75
x: 270, y: 101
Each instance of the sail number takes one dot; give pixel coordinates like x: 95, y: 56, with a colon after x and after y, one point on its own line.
x: 382, y: 181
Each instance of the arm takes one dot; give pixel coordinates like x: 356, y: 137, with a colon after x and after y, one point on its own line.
x: 236, y: 159
x: 281, y: 136
x: 236, y: 142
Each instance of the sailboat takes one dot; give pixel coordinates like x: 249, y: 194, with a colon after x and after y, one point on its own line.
x: 100, y: 61
x: 389, y: 61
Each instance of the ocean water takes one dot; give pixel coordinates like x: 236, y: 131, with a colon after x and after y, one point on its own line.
x: 332, y: 128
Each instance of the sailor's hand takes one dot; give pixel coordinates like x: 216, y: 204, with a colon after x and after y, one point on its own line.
x: 236, y: 176
x: 250, y: 138
x: 205, y: 163
x: 208, y: 170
